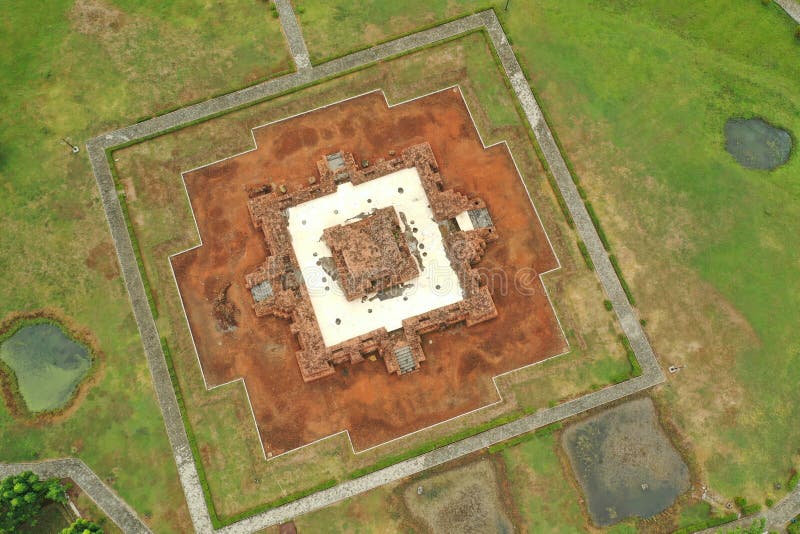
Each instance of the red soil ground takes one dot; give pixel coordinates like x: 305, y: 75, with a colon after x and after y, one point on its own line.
x: 373, y: 405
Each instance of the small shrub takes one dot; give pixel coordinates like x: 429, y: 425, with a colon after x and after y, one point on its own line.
x: 625, y: 287
x: 708, y: 523
x: 636, y: 369
x: 769, y: 502
x: 794, y: 526
x: 609, y: 306
x: 794, y: 478
x: 797, y: 32
x: 585, y: 254
x: 600, y: 232
x: 766, y: 2
x: 643, y: 322
x: 751, y: 509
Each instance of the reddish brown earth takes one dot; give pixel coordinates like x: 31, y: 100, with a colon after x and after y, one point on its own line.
x: 372, y: 404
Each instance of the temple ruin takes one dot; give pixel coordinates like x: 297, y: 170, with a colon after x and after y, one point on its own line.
x: 368, y: 257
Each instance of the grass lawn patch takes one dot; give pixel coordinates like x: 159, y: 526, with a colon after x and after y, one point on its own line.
x: 545, y: 499
x: 336, y: 28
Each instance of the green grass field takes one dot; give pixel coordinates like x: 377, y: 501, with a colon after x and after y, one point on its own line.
x: 638, y: 93
x: 74, y: 70
x: 545, y: 500
x: 335, y: 28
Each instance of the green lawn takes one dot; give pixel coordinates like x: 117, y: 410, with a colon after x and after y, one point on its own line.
x: 544, y: 498
x: 375, y: 512
x: 338, y: 27
x: 74, y: 70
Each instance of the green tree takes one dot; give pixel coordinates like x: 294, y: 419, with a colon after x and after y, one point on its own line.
x: 22, y: 497
x: 82, y: 526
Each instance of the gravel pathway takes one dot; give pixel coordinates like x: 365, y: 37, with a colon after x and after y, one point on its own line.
x: 792, y: 8
x: 777, y: 517
x: 291, y: 30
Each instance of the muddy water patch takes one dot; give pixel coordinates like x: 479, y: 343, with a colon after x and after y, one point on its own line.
x: 465, y: 499
x: 625, y: 463
x: 47, y: 364
x: 756, y: 144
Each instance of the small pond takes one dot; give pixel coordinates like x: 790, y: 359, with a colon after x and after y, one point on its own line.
x: 625, y: 463
x: 756, y: 144
x: 48, y: 365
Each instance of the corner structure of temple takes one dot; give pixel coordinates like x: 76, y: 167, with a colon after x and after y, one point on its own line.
x: 373, y: 256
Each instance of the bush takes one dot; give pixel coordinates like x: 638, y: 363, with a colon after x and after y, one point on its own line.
x: 609, y: 306
x: 600, y: 232
x: 624, y: 283
x: 794, y: 478
x: 585, y: 254
x: 751, y: 509
x: 766, y: 2
x: 22, y: 497
x: 794, y: 526
x: 708, y: 523
x: 636, y: 369
x: 82, y: 526
x: 797, y: 32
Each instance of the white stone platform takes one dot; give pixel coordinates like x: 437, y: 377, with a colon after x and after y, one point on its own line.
x: 437, y: 285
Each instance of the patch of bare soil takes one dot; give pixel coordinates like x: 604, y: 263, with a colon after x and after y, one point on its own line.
x: 97, y: 18
x: 103, y: 259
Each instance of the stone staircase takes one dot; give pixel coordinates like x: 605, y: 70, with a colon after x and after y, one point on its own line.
x: 405, y: 359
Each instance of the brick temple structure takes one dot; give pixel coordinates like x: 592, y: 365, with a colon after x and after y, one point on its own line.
x: 371, y: 254
x: 367, y: 258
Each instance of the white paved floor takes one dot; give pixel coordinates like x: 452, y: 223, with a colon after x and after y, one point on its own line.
x: 340, y: 319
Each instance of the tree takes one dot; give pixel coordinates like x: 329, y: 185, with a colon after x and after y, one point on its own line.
x: 22, y: 497
x: 82, y: 526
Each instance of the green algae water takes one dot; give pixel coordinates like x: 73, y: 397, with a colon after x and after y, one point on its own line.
x: 756, y: 144
x: 48, y: 365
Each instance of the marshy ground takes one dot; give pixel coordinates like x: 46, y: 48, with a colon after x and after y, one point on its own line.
x: 625, y: 463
